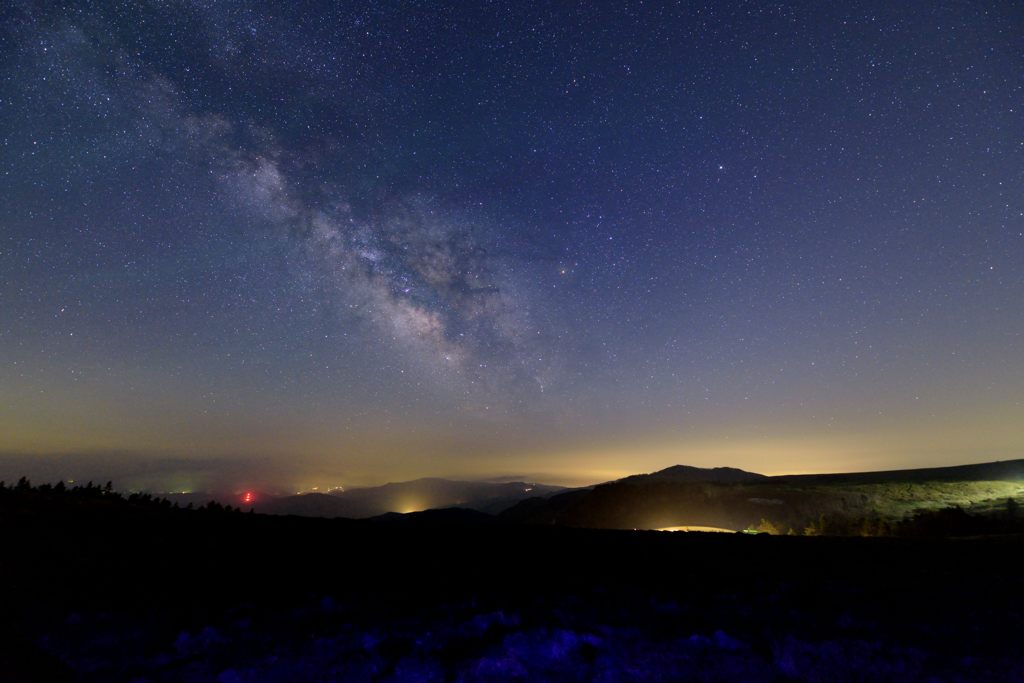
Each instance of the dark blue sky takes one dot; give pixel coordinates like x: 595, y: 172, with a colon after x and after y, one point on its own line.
x: 291, y: 243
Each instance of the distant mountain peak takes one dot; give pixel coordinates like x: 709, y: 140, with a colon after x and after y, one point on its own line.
x: 689, y: 473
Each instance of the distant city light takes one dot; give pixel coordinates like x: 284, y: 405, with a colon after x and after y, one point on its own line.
x: 247, y: 497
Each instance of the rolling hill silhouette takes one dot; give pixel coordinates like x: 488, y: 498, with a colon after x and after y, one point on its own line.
x: 408, y: 496
x: 734, y: 499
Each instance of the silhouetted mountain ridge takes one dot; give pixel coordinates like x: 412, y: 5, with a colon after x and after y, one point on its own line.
x: 688, y: 473
x: 407, y: 496
x: 730, y: 498
x: 1000, y: 470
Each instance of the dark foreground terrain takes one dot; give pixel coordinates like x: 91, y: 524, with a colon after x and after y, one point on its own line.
x: 110, y: 590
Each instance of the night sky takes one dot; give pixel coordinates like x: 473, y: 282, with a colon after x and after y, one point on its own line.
x: 294, y: 244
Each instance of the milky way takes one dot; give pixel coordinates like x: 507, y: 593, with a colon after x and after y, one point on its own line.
x: 374, y: 241
x: 418, y: 274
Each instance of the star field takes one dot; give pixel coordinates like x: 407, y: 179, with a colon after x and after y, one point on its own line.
x: 286, y: 243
